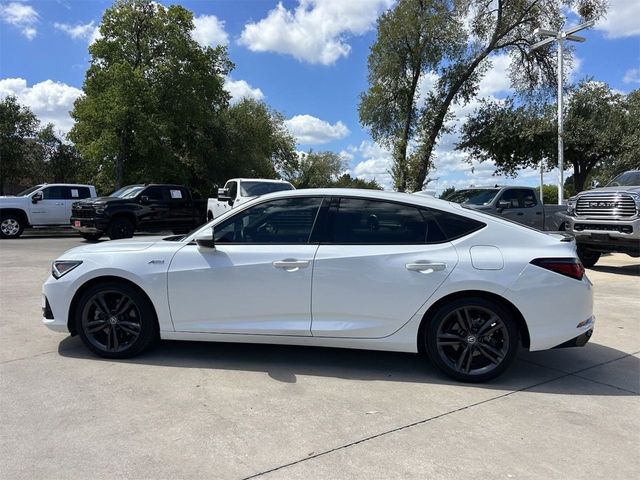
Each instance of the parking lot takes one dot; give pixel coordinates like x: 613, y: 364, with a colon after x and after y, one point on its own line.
x: 205, y: 410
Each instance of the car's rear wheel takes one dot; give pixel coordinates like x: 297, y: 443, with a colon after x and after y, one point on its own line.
x: 588, y: 257
x: 115, y: 320
x: 472, y: 339
x: 11, y: 226
x: 120, y: 228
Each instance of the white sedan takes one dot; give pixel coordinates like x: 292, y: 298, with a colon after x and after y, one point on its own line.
x: 334, y: 268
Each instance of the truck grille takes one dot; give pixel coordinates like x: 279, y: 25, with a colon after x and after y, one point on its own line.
x: 82, y: 212
x: 606, y: 205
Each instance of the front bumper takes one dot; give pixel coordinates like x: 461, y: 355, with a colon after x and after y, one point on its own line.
x: 89, y: 225
x: 606, y: 235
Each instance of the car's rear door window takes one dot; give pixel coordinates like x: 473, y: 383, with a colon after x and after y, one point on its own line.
x: 359, y: 221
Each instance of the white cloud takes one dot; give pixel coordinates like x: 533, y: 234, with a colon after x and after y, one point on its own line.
x: 623, y: 19
x: 496, y: 80
x: 316, y: 31
x: 209, y: 31
x: 21, y: 16
x: 240, y: 89
x: 83, y: 31
x: 50, y: 101
x: 632, y: 76
x: 310, y: 130
x: 374, y: 163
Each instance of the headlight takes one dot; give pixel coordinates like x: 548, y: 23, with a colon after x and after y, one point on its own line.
x: 571, y: 205
x: 62, y: 267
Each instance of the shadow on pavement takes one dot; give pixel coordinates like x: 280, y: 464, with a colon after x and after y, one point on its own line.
x: 633, y: 269
x: 283, y: 363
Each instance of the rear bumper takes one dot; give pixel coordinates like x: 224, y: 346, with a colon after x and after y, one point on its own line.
x: 580, y: 341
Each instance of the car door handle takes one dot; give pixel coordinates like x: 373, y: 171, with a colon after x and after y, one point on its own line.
x: 291, y: 265
x: 426, y: 267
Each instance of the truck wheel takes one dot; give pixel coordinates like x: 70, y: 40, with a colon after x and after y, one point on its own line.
x: 11, y: 225
x: 120, y: 228
x: 588, y: 257
x: 92, y: 237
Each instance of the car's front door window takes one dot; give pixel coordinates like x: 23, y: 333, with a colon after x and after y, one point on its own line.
x: 284, y: 221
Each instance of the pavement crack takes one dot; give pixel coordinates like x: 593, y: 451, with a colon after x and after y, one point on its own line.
x: 441, y: 415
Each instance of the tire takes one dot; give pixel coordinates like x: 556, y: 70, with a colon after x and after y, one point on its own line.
x: 92, y: 237
x: 588, y: 257
x: 120, y: 228
x: 11, y: 225
x: 464, y: 353
x: 128, y: 328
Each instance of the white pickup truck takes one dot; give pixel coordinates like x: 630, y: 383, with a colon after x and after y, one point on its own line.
x: 240, y: 190
x: 43, y: 205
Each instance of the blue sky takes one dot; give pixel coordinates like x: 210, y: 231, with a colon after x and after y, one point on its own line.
x: 307, y: 59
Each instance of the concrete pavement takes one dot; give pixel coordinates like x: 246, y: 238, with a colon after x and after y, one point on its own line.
x: 196, y: 410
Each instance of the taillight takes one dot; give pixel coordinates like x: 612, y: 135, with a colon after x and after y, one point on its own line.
x: 570, y: 267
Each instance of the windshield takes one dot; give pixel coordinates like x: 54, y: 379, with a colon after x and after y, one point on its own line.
x: 626, y: 179
x: 128, y: 192
x: 476, y: 196
x: 254, y: 189
x: 28, y: 191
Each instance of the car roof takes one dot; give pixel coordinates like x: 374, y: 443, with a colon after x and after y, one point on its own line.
x: 265, y: 180
x: 418, y: 200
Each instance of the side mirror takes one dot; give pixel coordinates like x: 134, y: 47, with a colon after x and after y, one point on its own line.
x: 206, y: 240
x: 144, y: 200
x: 595, y: 183
x: 503, y: 205
x: 36, y: 197
x: 223, y: 194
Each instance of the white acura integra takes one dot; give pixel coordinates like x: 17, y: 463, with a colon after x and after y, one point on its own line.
x: 334, y: 268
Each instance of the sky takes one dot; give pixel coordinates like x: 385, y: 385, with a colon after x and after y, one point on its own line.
x: 306, y: 58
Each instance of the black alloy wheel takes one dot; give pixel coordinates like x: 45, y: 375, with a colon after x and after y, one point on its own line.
x: 115, y: 320
x: 472, y: 340
x: 120, y: 228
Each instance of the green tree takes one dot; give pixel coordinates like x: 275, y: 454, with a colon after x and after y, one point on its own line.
x: 58, y: 161
x: 597, y: 122
x: 412, y: 39
x: 315, y: 170
x: 347, y: 181
x: 152, y: 97
x: 18, y: 127
x: 447, y: 191
x: 492, y: 27
x: 256, y: 143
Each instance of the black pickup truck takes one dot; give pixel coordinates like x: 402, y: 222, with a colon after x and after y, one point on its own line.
x: 152, y: 207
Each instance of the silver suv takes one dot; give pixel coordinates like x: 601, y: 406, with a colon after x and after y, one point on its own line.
x: 607, y: 219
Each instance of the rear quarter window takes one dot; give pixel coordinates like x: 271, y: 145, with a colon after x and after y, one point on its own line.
x: 456, y: 226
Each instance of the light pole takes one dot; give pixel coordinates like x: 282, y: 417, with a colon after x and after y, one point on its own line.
x: 560, y: 36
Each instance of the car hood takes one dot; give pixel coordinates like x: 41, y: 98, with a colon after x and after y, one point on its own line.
x: 629, y: 189
x: 115, y: 246
x: 11, y: 200
x: 99, y: 201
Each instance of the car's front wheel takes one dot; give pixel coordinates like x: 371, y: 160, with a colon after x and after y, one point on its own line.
x: 120, y: 228
x: 472, y: 339
x: 11, y: 226
x: 588, y: 257
x: 92, y: 237
x: 115, y: 320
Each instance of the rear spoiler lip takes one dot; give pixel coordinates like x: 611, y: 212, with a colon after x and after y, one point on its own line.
x: 562, y: 236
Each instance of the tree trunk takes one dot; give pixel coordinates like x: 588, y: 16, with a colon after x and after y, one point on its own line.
x: 438, y: 121
x: 401, y: 161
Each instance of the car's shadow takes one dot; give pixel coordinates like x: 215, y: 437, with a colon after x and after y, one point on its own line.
x: 284, y: 363
x: 633, y: 269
